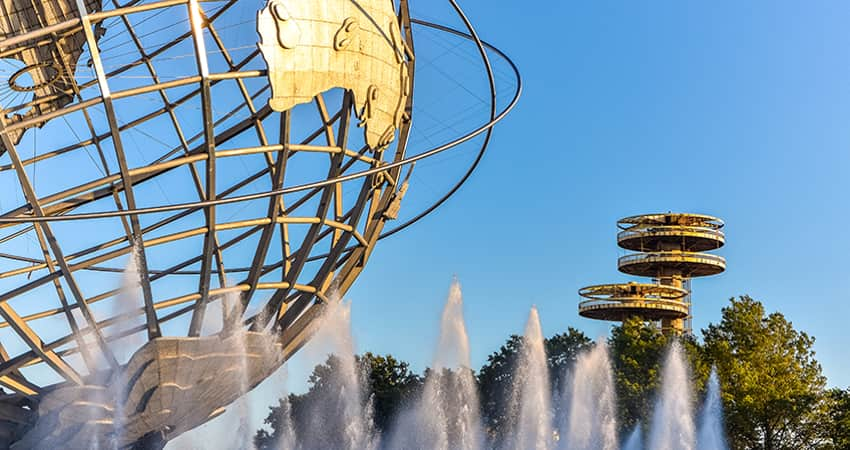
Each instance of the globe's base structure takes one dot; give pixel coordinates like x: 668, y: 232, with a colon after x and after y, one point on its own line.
x: 170, y: 385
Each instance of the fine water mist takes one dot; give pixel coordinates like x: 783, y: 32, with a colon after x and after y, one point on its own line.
x: 590, y: 399
x: 673, y: 423
x: 446, y: 416
x: 128, y: 301
x: 635, y: 439
x: 341, y: 417
x: 288, y: 436
x: 711, y: 435
x: 531, y: 410
x: 243, y: 439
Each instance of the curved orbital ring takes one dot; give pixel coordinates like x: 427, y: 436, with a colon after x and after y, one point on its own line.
x: 486, y: 129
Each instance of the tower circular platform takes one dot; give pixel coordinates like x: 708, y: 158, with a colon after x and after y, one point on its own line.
x: 621, y: 301
x: 662, y: 237
x: 680, y: 219
x: 659, y: 264
x: 670, y: 231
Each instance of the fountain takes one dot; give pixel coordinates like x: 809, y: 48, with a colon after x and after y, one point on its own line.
x: 531, y: 411
x: 635, y: 439
x: 341, y: 417
x: 288, y: 438
x: 672, y: 423
x: 446, y: 413
x: 446, y: 416
x: 711, y: 435
x: 591, y: 420
x: 127, y: 302
x: 233, y: 308
x: 104, y: 406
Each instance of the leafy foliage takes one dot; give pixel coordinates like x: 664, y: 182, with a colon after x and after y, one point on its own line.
x: 772, y: 388
x: 562, y: 350
x: 392, y: 385
x: 494, y: 383
x: 636, y: 352
x: 390, y: 382
x: 496, y: 376
x: 772, y: 383
x: 838, y: 418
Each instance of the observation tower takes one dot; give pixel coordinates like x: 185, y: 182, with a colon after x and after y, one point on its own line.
x: 669, y: 248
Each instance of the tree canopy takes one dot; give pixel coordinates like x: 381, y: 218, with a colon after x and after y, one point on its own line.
x: 496, y: 376
x: 772, y: 383
x: 636, y: 352
x: 390, y: 383
x: 773, y: 391
x: 838, y: 418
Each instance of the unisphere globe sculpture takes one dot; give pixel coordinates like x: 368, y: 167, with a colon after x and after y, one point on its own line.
x: 230, y: 164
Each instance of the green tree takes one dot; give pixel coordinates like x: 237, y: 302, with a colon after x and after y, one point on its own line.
x: 772, y: 384
x: 637, y: 349
x: 496, y: 376
x: 391, y: 384
x: 268, y: 437
x: 562, y: 350
x: 389, y: 381
x: 838, y: 418
x: 494, y: 384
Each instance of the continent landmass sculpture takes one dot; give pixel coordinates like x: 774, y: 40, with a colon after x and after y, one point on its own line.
x: 313, y: 47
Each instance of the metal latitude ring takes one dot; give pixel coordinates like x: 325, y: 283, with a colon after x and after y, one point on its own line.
x: 484, y: 129
x: 13, y: 80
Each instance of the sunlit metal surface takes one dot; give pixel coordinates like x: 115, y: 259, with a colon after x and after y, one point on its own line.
x: 265, y: 177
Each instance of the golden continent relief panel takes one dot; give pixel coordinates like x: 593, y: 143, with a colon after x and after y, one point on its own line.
x: 312, y: 47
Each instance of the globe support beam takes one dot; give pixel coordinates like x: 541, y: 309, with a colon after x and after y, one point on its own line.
x: 111, y: 116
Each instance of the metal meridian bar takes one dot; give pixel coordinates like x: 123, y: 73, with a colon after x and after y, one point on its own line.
x: 153, y: 330
x: 209, y: 143
x: 403, y: 162
x: 27, y: 334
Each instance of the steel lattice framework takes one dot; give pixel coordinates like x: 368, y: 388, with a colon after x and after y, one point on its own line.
x: 277, y: 212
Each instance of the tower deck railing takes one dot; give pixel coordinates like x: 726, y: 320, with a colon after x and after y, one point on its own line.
x: 672, y: 231
x: 707, y: 261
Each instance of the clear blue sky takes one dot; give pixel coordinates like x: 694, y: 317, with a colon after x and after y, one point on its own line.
x: 734, y: 109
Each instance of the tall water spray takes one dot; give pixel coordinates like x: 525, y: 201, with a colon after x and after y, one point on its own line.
x: 232, y: 304
x: 673, y: 423
x: 287, y: 439
x: 711, y: 431
x: 341, y: 415
x: 447, y: 414
x: 128, y: 301
x: 531, y: 411
x: 635, y: 439
x: 591, y: 419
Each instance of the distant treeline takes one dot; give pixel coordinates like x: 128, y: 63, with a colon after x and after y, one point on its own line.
x: 773, y: 390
